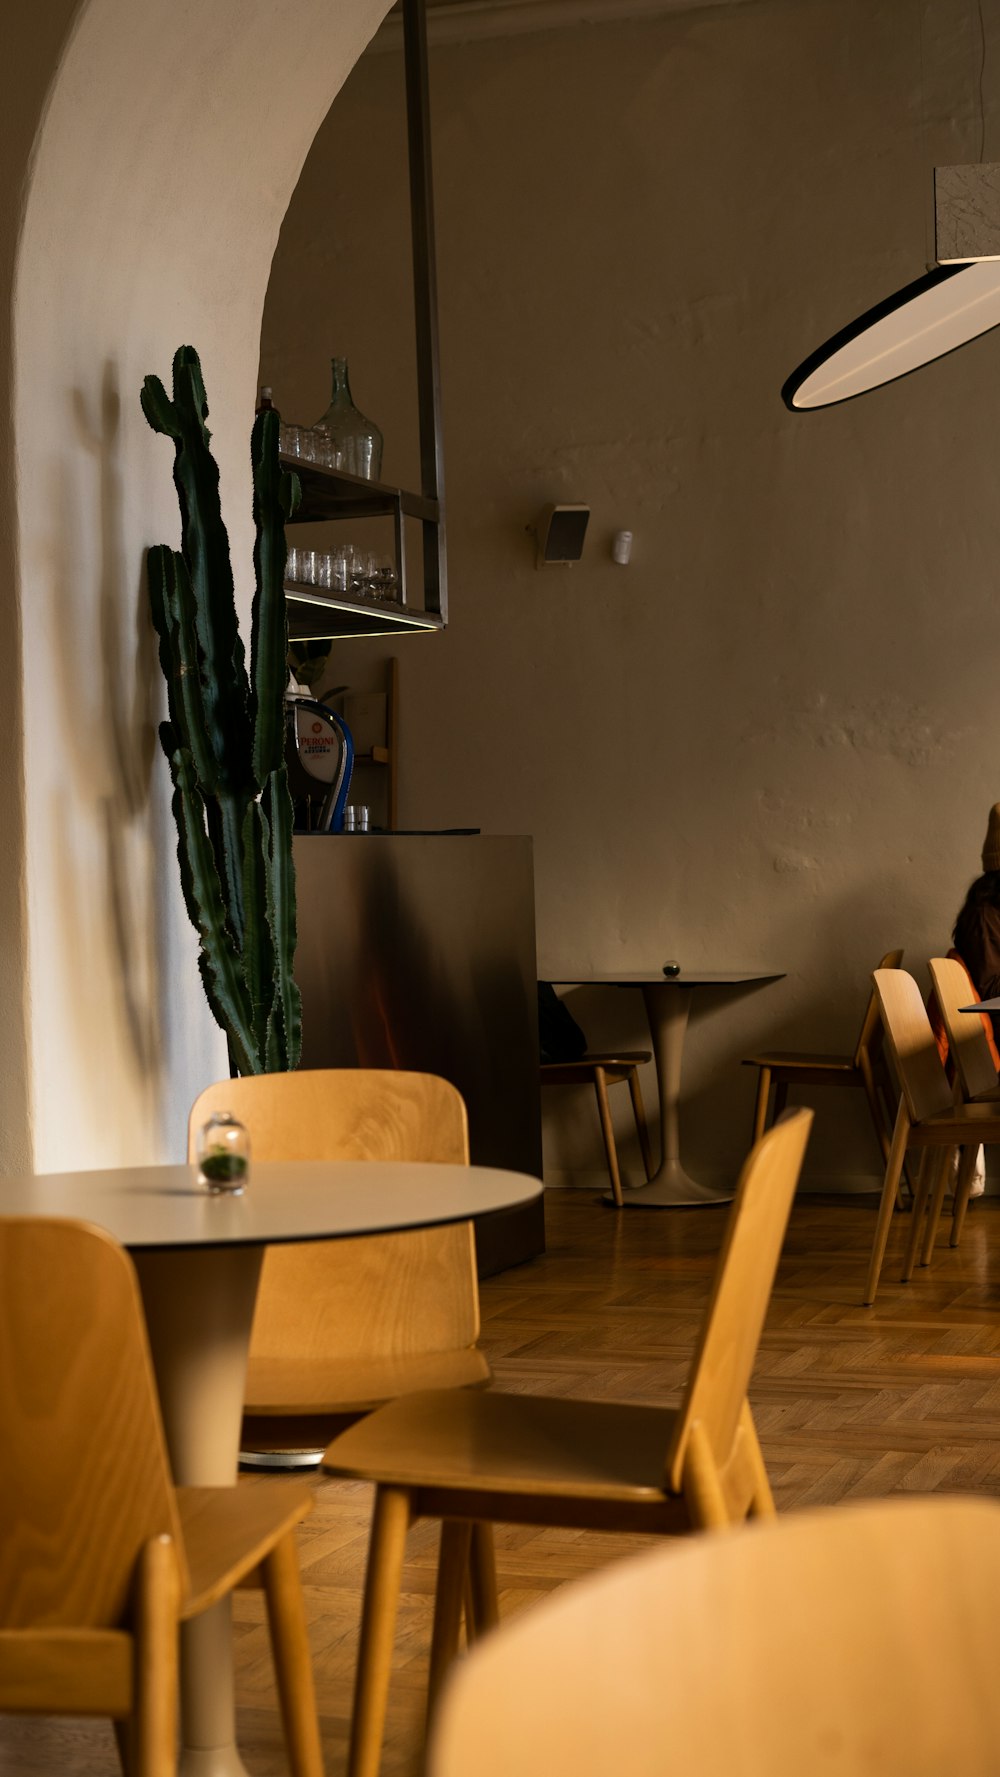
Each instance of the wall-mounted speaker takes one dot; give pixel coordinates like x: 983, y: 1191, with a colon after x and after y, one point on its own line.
x: 560, y: 531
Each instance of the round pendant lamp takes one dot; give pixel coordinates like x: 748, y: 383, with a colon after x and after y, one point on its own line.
x: 945, y: 309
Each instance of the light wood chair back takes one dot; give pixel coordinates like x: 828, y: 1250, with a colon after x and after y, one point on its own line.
x: 870, y: 1035
x: 911, y: 1043
x: 391, y: 1295
x: 716, y: 1393
x: 967, y: 1041
x: 84, y: 1476
x: 855, y: 1641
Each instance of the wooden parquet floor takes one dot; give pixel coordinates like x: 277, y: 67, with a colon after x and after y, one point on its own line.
x: 850, y: 1402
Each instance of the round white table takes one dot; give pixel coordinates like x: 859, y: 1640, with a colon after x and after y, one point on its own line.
x: 198, y: 1258
x: 667, y: 1000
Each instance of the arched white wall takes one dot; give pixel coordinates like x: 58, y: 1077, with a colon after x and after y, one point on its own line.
x: 170, y: 143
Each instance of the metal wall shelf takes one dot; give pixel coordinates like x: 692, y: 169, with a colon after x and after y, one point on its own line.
x: 318, y: 615
x: 315, y: 615
x: 332, y: 493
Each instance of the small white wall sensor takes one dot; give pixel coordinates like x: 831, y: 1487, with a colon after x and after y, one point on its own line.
x: 621, y: 548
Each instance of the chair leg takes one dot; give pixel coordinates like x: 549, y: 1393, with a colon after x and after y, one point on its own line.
x: 882, y: 1134
x: 123, y: 1741
x: 762, y: 1502
x: 871, y: 1093
x: 608, y: 1132
x: 937, y: 1202
x: 641, y: 1126
x: 453, y: 1572
x: 963, y: 1187
x: 702, y: 1488
x: 149, y: 1746
x: 482, y: 1605
x: 921, y: 1206
x: 286, y: 1618
x: 483, y: 1574
x: 390, y: 1523
x: 894, y: 1167
x: 469, y: 1607
x: 885, y: 1085
x: 760, y: 1103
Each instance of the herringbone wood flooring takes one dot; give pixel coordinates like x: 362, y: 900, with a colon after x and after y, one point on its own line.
x: 849, y: 1402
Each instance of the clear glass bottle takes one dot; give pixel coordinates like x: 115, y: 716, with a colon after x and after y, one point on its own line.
x: 223, y: 1154
x: 351, y: 442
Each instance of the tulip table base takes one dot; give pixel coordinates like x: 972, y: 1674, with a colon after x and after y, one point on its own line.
x: 199, y: 1304
x: 667, y: 1007
x: 668, y: 1001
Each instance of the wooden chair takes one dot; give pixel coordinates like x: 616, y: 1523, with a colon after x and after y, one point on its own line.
x: 593, y: 1465
x: 847, y: 1642
x: 865, y: 1068
x: 602, y: 1071
x: 975, y: 1069
x: 968, y: 1044
x: 342, y: 1326
x: 928, y: 1120
x: 101, y: 1557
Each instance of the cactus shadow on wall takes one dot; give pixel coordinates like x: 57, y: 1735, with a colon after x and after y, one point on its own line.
x: 110, y: 733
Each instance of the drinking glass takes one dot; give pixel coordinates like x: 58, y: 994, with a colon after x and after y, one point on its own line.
x: 384, y: 578
x: 359, y: 572
x: 339, y: 569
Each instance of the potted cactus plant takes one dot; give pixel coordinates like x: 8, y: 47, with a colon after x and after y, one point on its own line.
x: 225, y: 733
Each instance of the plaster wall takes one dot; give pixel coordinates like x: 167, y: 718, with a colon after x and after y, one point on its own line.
x: 772, y: 740
x: 167, y: 137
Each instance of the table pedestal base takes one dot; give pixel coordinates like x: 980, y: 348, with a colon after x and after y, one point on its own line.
x: 667, y: 1006
x: 199, y: 1306
x: 671, y: 1188
x: 214, y: 1761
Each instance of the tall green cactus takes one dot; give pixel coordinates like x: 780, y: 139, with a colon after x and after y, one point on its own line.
x: 225, y: 736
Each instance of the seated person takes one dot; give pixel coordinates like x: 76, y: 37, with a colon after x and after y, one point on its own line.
x: 977, y: 929
x: 976, y: 939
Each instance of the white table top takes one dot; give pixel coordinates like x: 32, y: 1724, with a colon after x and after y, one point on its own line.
x: 982, y: 1006
x: 651, y: 977
x: 164, y: 1206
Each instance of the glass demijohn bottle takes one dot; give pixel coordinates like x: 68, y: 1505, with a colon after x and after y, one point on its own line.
x: 353, y: 443
x: 223, y: 1154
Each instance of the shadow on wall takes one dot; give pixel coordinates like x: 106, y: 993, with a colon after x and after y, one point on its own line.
x: 111, y: 738
x: 819, y: 1006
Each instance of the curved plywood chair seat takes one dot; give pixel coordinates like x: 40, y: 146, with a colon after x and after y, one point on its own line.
x: 511, y: 1447
x: 582, y: 1069
x: 228, y: 1531
x: 792, y: 1058
x: 302, y: 1386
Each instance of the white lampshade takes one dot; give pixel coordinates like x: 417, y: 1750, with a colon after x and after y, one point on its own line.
x: 935, y: 315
